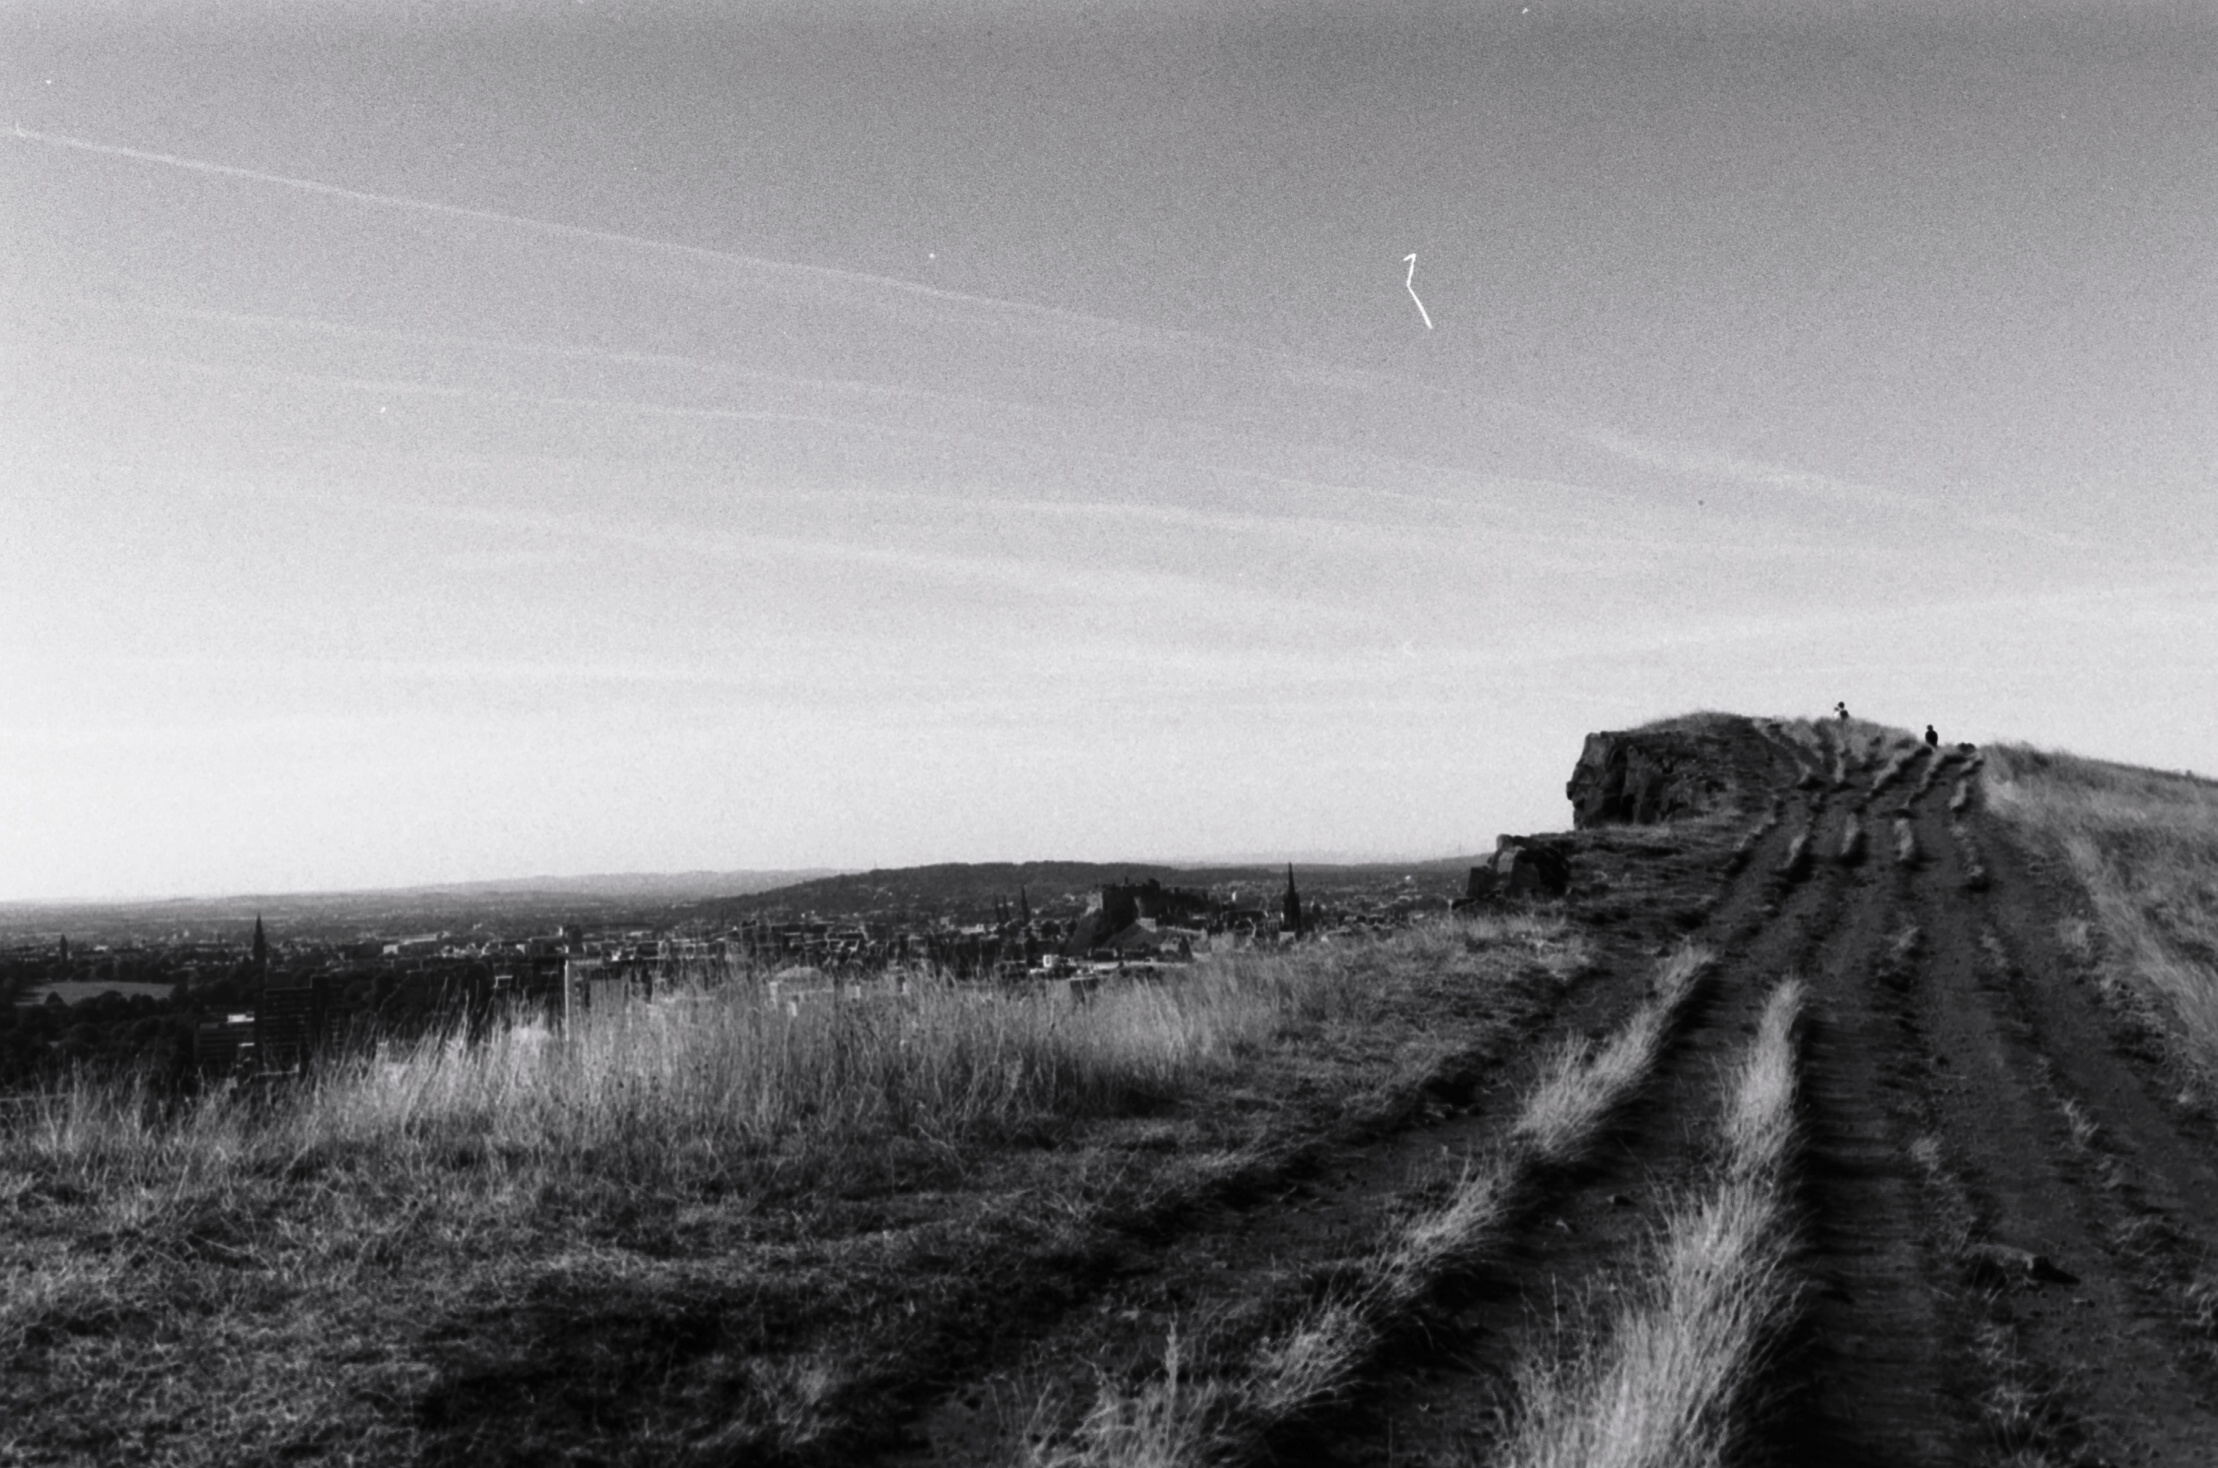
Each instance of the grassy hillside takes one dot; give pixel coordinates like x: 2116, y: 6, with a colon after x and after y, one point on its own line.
x: 707, y: 1227
x: 2144, y: 845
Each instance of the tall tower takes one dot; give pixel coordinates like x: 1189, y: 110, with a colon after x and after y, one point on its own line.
x: 1293, y: 904
x: 261, y: 953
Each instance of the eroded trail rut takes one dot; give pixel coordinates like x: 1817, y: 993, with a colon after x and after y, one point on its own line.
x: 2003, y: 1205
x: 1983, y: 1279
x: 2002, y: 1202
x: 1251, y: 1261
x: 2045, y: 1126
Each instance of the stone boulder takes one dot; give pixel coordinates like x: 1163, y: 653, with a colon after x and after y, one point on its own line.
x: 1522, y: 866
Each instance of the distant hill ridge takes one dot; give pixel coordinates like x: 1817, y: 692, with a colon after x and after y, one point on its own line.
x: 698, y: 883
x: 948, y: 883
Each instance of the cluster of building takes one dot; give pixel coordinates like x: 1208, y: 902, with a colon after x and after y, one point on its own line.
x: 268, y: 1004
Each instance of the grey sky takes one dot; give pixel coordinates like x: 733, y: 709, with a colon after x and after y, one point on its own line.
x: 457, y: 440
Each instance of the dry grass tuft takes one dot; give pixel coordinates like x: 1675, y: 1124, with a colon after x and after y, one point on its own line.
x: 1561, y: 1115
x: 1899, y: 759
x: 1967, y: 852
x: 1671, y: 1382
x: 1854, y: 745
x: 1795, y: 865
x: 1898, y: 969
x: 1907, y: 851
x: 1852, y: 840
x: 2084, y: 1128
x: 2027, y: 1421
x: 1857, y: 741
x: 1744, y: 850
x: 2200, y: 1299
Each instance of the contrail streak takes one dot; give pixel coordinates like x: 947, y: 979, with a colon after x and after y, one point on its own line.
x: 822, y: 274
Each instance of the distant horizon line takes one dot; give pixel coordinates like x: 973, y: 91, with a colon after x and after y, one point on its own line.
x: 577, y: 884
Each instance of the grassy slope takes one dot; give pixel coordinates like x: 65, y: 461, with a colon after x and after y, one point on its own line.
x: 2144, y: 845
x: 709, y: 1231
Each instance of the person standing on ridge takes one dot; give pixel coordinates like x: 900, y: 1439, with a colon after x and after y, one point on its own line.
x: 1931, y: 737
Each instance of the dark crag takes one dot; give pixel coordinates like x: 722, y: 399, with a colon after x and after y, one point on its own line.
x: 1668, y: 771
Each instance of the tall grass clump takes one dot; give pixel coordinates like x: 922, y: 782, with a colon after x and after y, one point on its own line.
x: 1586, y: 1082
x: 1847, y: 744
x: 672, y: 1090
x: 1897, y: 762
x: 1852, y: 840
x: 708, y: 1083
x: 2144, y: 845
x: 1670, y: 1383
x: 1908, y: 852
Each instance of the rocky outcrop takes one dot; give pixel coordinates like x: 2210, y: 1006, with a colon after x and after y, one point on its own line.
x: 1522, y: 866
x: 1640, y: 777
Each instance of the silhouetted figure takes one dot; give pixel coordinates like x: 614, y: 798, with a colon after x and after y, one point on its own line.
x: 1931, y: 737
x: 1842, y: 710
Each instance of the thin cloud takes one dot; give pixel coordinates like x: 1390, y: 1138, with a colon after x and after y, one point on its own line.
x: 1687, y: 459
x: 1692, y: 459
x: 1356, y: 493
x: 1676, y: 458
x: 773, y: 270
x: 1115, y: 586
x: 1366, y: 493
x: 315, y: 326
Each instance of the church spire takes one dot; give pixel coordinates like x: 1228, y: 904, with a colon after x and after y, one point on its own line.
x: 1293, y: 904
x: 261, y: 954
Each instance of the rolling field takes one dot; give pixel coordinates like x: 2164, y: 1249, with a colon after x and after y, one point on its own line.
x: 1862, y: 1119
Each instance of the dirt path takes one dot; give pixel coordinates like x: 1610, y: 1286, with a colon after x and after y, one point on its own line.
x: 1884, y: 1374
x: 1443, y: 1397
x: 2002, y: 1207
x: 1234, y: 1270
x: 2005, y: 1204
x: 2004, y: 1210
x: 2016, y: 1056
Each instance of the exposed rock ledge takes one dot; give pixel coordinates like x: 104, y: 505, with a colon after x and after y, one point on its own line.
x: 1643, y: 776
